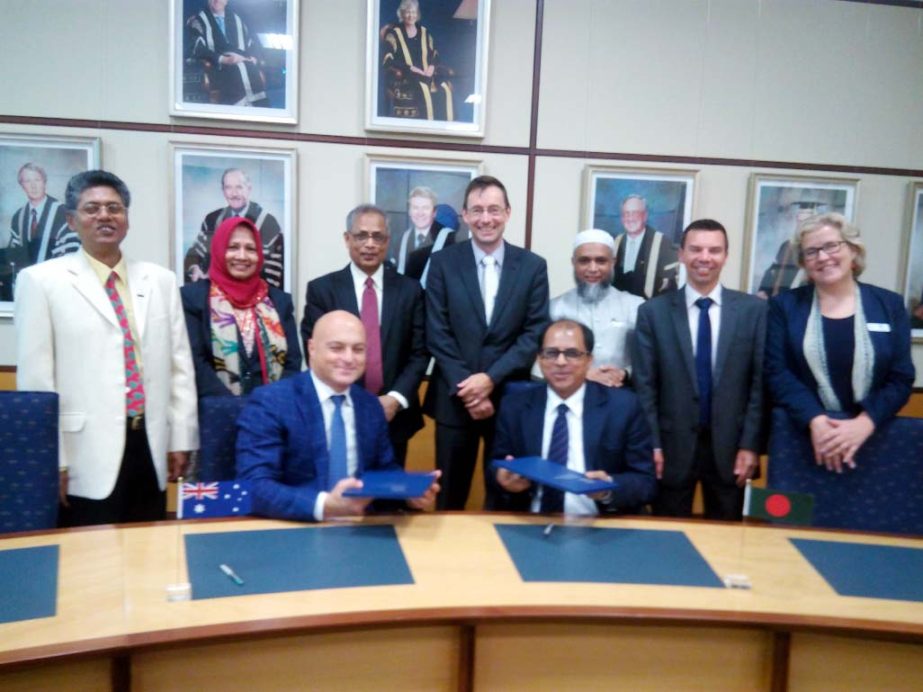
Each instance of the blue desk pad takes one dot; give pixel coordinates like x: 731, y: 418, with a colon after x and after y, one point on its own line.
x: 28, y: 583
x: 865, y: 570
x: 609, y: 556
x: 280, y: 560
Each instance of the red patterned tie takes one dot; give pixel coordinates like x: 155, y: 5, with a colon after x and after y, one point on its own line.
x: 134, y: 387
x: 33, y: 228
x: 373, y: 370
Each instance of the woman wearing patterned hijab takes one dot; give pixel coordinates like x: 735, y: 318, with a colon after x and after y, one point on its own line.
x: 241, y: 330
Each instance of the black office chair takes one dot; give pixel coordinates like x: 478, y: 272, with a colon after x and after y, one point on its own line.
x: 883, y: 493
x: 28, y: 461
x: 218, y: 437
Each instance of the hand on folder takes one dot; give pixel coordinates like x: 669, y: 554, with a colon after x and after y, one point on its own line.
x: 428, y: 501
x: 336, y: 505
x: 512, y: 482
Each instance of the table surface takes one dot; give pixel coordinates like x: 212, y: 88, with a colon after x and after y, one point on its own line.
x: 112, y: 585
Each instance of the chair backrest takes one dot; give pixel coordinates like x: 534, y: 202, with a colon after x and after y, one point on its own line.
x: 883, y: 493
x: 28, y: 461
x: 218, y: 437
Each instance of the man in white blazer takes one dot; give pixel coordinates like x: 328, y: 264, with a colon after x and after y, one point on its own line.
x: 108, y: 335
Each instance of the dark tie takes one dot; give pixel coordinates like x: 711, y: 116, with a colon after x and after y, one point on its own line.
x: 34, y: 227
x: 703, y: 361
x: 552, y: 499
x: 134, y: 386
x: 369, y: 314
x: 338, y: 468
x: 421, y: 238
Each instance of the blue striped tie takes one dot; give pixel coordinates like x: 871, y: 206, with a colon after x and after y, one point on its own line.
x: 553, y: 499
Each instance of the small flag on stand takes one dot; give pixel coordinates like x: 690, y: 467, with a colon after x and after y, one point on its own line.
x: 217, y: 499
x: 774, y: 505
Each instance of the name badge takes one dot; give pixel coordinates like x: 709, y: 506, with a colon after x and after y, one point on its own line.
x: 879, y: 327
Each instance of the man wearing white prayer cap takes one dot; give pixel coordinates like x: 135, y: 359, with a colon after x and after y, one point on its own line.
x: 609, y: 312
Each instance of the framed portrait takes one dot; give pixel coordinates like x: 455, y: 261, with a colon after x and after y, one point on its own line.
x: 234, y: 59
x: 214, y: 184
x: 427, y: 66
x: 647, y: 209
x: 34, y: 172
x: 776, y: 205
x: 422, y: 198
x: 913, y: 261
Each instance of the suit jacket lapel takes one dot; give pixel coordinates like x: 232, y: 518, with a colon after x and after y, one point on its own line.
x: 469, y: 278
x: 139, y: 285
x: 345, y: 291
x: 307, y: 404
x: 680, y: 317
x: 389, y: 297
x: 511, y: 261
x: 87, y: 284
x: 534, y: 423
x: 726, y: 330
x: 594, y: 420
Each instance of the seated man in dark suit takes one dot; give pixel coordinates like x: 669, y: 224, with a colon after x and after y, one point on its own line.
x: 590, y: 428
x: 391, y: 308
x: 303, y: 440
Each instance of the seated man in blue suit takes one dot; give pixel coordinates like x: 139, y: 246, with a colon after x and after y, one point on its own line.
x: 605, y: 434
x: 301, y: 441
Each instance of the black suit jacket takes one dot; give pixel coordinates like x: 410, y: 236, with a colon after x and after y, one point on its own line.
x: 457, y: 332
x: 664, y: 378
x: 403, y: 341
x: 666, y: 270
x: 198, y: 324
x: 616, y: 439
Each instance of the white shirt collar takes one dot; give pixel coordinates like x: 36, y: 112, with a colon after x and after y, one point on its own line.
x: 360, y: 276
x: 574, y: 401
x: 497, y: 254
x: 325, y: 391
x: 692, y: 295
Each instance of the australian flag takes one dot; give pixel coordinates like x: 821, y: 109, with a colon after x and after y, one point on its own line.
x: 218, y: 499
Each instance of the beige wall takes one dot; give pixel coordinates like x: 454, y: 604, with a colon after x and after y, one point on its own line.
x: 816, y: 81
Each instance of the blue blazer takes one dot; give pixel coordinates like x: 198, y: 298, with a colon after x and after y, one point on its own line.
x: 457, y: 333
x: 198, y: 324
x: 616, y: 439
x: 787, y: 373
x: 282, y: 445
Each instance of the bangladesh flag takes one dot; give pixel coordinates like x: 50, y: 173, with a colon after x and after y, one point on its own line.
x: 774, y: 505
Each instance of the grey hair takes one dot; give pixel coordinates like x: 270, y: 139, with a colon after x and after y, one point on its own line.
x: 366, y: 209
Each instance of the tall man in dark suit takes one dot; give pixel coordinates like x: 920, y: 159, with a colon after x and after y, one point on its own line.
x: 601, y: 432
x: 486, y: 308
x: 645, y: 259
x: 698, y: 371
x: 391, y: 307
x: 303, y: 440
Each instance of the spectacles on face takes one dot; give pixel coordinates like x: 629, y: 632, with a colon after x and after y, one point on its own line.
x: 94, y: 209
x: 363, y: 237
x: 493, y: 212
x: 571, y: 355
x: 830, y: 249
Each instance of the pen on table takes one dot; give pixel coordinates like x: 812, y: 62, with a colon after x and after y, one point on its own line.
x: 232, y: 575
x: 548, y: 529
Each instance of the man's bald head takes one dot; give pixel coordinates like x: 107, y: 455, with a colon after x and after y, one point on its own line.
x: 336, y: 349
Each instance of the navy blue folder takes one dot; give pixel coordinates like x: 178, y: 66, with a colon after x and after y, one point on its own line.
x: 392, y: 485
x: 280, y: 560
x: 610, y: 556
x: 28, y: 583
x: 866, y: 570
x: 554, y: 475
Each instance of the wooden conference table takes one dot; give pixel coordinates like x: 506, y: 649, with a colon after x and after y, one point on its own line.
x: 462, y: 601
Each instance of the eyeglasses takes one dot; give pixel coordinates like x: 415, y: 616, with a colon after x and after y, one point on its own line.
x: 570, y: 354
x: 830, y: 249
x: 477, y: 212
x: 93, y: 209
x: 364, y: 236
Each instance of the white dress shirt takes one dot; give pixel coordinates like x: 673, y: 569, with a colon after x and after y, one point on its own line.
x: 573, y: 504
x: 714, y: 314
x: 632, y: 248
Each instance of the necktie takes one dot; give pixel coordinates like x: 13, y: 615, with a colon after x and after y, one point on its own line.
x: 552, y: 499
x: 421, y: 239
x: 220, y: 22
x: 338, y: 469
x: 491, y: 281
x: 34, y: 226
x: 374, y: 379
x: 703, y: 361
x: 134, y: 386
